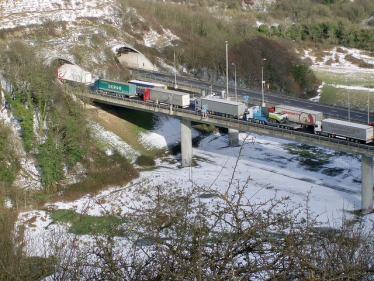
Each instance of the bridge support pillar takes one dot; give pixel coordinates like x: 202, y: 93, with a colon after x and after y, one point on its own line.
x: 186, y: 142
x: 366, y: 184
x: 233, y: 138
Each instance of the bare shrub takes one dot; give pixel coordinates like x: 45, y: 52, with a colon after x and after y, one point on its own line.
x: 329, y: 62
x: 337, y: 60
x: 144, y: 160
x: 308, y: 61
x: 358, y: 62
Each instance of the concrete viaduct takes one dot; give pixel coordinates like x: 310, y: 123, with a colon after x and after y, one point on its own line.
x: 131, y: 58
x: 188, y: 116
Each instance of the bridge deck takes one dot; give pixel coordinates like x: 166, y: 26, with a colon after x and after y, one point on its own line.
x: 241, y: 125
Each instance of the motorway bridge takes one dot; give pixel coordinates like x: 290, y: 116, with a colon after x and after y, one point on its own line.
x: 187, y: 116
x: 194, y: 85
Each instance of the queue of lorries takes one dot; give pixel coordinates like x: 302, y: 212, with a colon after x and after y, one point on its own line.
x: 282, y: 116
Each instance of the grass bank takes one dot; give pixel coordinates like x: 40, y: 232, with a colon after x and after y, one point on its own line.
x: 355, y: 99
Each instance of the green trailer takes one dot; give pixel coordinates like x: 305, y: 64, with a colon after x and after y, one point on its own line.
x: 124, y: 89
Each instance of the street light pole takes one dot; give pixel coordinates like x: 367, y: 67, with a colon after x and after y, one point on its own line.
x: 349, y: 112
x: 227, y: 72
x: 368, y: 109
x: 175, y: 71
x: 235, y: 81
x: 262, y: 81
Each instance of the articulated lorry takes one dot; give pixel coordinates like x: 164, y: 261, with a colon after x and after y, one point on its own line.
x: 263, y: 115
x: 349, y: 131
x: 221, y: 107
x: 302, y: 116
x: 169, y: 97
x: 120, y: 88
x: 74, y: 73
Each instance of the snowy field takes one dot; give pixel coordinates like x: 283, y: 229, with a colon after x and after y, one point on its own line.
x: 272, y: 171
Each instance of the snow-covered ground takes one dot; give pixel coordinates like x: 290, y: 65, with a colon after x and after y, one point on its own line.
x: 335, y: 64
x: 16, y: 13
x: 272, y: 171
x: 265, y: 160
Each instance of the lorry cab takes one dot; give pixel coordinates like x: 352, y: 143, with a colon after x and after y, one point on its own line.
x: 251, y: 112
x: 318, y: 127
x: 198, y: 105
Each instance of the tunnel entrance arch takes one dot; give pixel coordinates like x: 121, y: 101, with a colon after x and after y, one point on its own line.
x: 132, y: 58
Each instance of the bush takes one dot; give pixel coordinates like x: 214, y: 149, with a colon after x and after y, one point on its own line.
x: 51, y: 163
x: 9, y: 164
x: 144, y: 160
x: 25, y: 117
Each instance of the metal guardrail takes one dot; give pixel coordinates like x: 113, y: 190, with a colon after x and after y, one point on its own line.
x: 169, y: 83
x: 249, y: 125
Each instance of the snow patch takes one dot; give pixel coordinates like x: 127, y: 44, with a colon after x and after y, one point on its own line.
x: 165, y: 133
x: 112, y: 142
x: 153, y: 38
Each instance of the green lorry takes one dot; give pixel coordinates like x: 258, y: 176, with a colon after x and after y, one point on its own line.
x: 124, y: 89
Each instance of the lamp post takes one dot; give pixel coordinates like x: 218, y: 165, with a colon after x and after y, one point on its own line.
x: 235, y: 81
x: 227, y: 72
x: 262, y: 81
x: 175, y: 70
x: 171, y: 101
x: 349, y: 112
x: 368, y: 109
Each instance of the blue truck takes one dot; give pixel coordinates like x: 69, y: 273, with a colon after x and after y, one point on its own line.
x: 268, y: 116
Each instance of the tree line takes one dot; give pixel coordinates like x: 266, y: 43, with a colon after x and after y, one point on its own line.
x: 201, y: 48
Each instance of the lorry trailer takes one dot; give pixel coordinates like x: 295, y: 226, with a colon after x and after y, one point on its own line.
x: 108, y: 86
x: 349, y: 131
x: 263, y: 115
x: 73, y: 73
x: 170, y: 97
x: 221, y: 107
x: 305, y: 117
x: 141, y: 86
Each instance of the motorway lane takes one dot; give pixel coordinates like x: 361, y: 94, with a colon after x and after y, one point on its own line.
x: 329, y: 111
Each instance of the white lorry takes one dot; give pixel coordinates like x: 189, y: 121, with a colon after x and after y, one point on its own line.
x: 170, y: 97
x: 74, y: 73
x: 221, y: 107
x: 349, y: 131
x: 304, y: 117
